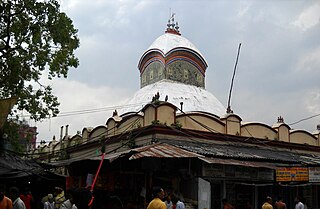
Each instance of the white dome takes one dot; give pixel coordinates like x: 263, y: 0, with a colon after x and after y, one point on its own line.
x: 193, y: 98
x: 169, y: 41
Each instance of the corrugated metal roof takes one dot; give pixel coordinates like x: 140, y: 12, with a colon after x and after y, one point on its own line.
x: 233, y: 154
x: 238, y: 162
x: 162, y: 150
x: 240, y: 151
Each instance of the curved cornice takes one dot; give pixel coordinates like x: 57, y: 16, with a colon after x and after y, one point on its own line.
x: 165, y: 56
x: 259, y: 124
x: 302, y: 131
x: 202, y: 114
x: 165, y: 59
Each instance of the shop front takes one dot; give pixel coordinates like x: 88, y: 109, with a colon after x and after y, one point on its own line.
x: 299, y: 181
x: 238, y: 181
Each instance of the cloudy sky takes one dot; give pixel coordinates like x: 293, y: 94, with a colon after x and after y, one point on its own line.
x: 278, y: 71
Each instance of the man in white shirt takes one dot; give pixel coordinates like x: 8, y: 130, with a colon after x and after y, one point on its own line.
x: 17, y: 203
x: 299, y: 204
x: 176, y: 201
x: 50, y: 203
x: 180, y: 205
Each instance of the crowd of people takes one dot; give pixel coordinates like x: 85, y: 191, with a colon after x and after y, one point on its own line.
x: 300, y: 203
x: 165, y: 200
x: 79, y: 198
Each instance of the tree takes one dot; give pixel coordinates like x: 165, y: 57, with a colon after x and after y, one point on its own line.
x: 35, y: 38
x: 12, y: 136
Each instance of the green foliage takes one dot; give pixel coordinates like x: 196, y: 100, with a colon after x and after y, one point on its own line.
x: 35, y: 38
x: 177, y: 125
x: 131, y: 144
x: 155, y: 122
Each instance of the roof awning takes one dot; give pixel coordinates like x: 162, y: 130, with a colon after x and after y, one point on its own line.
x: 162, y: 150
x: 238, y: 162
x: 158, y: 150
x: 13, y: 166
x: 111, y: 157
x: 217, y: 154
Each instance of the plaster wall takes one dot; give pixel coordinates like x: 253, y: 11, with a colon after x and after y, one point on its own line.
x: 258, y: 131
x: 232, y: 126
x: 194, y: 122
x: 98, y: 133
x: 283, y: 133
x: 302, y: 138
x: 166, y: 114
x: 131, y: 123
x: 111, y: 124
x: 149, y: 116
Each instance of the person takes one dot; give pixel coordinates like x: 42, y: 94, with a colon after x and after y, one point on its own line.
x: 49, y: 204
x: 58, y: 197
x: 304, y: 202
x: 27, y: 198
x: 177, y: 202
x: 68, y: 204
x: 5, y: 202
x: 299, y: 204
x: 268, y: 203
x: 82, y: 198
x: 158, y: 195
x: 226, y: 204
x: 279, y: 204
x: 15, y: 197
x: 168, y: 201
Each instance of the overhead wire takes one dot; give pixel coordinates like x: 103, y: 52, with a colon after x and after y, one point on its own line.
x: 215, y: 131
x: 304, y: 119
x: 264, y: 142
x: 88, y: 111
x: 131, y: 124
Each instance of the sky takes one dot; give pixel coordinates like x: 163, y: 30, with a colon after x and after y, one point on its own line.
x: 278, y: 72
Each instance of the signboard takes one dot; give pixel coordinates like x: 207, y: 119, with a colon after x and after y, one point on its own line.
x: 213, y: 170
x: 237, y: 172
x: 314, y: 174
x: 292, y: 174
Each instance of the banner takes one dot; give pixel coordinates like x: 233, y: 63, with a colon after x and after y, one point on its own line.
x: 314, y: 174
x: 292, y: 174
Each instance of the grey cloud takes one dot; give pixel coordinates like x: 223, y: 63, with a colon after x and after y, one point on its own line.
x: 114, y: 35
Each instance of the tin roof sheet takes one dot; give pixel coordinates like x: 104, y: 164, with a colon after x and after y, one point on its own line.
x: 241, y: 151
x: 234, y: 154
x: 162, y: 150
x: 238, y: 162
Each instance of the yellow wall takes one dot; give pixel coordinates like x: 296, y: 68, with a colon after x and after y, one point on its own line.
x: 111, y: 126
x: 165, y: 114
x: 98, y: 133
x: 149, y: 115
x: 259, y: 131
x: 189, y: 122
x: 76, y: 140
x: 232, y: 126
x: 283, y: 133
x: 301, y: 137
x: 132, y: 123
x: 85, y: 134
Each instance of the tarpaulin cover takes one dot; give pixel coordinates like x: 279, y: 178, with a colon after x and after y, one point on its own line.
x: 13, y: 166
